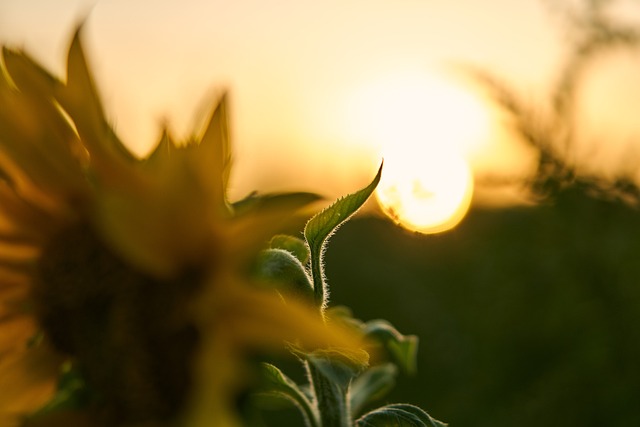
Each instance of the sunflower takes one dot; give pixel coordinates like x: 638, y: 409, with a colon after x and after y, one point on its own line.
x: 131, y: 271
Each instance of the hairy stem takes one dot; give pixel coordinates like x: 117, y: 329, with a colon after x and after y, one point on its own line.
x: 332, y: 399
x: 319, y: 285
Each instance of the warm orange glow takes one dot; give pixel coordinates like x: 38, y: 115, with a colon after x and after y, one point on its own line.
x: 428, y: 195
x: 424, y: 127
x: 289, y: 96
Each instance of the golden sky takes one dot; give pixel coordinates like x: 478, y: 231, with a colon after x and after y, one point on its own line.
x: 293, y: 70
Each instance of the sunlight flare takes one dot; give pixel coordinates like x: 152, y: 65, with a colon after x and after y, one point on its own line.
x: 425, y: 127
x: 427, y: 194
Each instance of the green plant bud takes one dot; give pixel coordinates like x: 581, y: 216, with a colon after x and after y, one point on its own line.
x: 296, y: 246
x: 285, y: 272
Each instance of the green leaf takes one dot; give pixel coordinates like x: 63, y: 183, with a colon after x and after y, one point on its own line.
x: 280, y: 269
x: 297, y: 247
x: 276, y: 383
x: 273, y: 201
x: 403, y: 349
x: 398, y: 415
x: 72, y: 393
x: 421, y: 413
x: 373, y: 384
x: 320, y: 227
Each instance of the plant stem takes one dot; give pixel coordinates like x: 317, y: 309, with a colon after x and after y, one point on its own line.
x: 310, y: 416
x: 332, y: 399
x: 317, y: 276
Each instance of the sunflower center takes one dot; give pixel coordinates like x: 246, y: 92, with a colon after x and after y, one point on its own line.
x: 130, y: 333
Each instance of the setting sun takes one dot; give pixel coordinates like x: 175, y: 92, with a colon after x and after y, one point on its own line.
x: 423, y: 127
x: 426, y: 194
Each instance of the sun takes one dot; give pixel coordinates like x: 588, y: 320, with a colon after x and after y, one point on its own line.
x: 425, y: 127
x: 426, y: 194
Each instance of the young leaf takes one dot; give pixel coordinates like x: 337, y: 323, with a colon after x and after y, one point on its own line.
x: 371, y: 385
x: 324, y: 223
x: 277, y: 384
x: 279, y: 268
x: 297, y: 247
x: 402, y: 349
x: 398, y: 415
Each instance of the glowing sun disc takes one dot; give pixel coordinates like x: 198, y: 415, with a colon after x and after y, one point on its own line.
x: 427, y: 195
x: 425, y: 127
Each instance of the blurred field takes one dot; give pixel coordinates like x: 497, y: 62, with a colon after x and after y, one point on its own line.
x: 527, y: 316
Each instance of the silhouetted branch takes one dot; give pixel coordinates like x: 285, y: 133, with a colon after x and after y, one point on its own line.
x: 551, y: 129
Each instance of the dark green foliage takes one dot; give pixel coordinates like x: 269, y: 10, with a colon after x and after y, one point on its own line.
x: 529, y: 316
x: 337, y: 377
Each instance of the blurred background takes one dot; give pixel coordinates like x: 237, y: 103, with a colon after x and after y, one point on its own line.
x: 508, y: 129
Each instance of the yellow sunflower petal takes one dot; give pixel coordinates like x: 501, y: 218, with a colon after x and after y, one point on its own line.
x: 27, y: 379
x: 212, y: 158
x: 34, y: 132
x: 236, y: 318
x: 15, y: 332
x: 16, y: 263
x: 110, y: 159
x: 10, y: 420
x: 16, y: 185
x: 163, y: 153
x: 28, y: 76
x: 21, y: 219
x: 218, y: 376
x: 161, y: 243
x: 162, y: 224
x: 28, y: 370
x: 252, y: 318
x: 47, y: 136
x: 181, y: 187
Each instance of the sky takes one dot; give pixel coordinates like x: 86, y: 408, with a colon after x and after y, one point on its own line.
x: 292, y: 70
